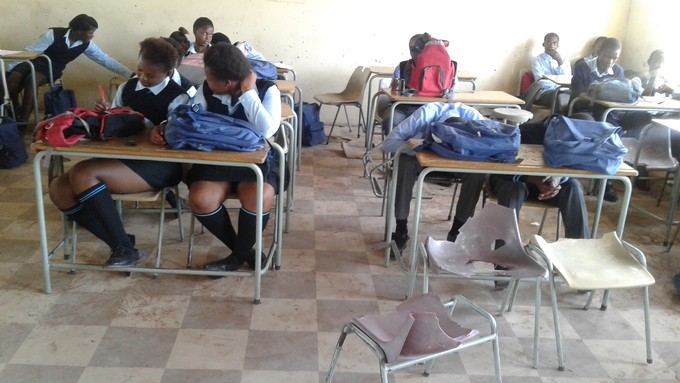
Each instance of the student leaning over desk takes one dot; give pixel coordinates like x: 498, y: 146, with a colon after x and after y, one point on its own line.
x: 61, y: 45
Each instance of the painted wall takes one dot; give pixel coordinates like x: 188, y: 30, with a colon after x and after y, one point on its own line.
x: 326, y: 39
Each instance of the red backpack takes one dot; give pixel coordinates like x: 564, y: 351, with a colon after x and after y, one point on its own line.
x: 433, y: 73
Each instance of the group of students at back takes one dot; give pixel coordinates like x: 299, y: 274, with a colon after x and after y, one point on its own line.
x: 155, y: 88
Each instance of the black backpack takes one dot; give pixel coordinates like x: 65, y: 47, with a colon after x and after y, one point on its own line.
x: 12, y: 149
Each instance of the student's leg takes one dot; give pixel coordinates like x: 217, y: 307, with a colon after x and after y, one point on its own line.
x: 27, y: 102
x: 572, y: 207
x: 470, y: 190
x: 84, y: 193
x: 509, y: 194
x: 205, y: 199
x: 247, y: 234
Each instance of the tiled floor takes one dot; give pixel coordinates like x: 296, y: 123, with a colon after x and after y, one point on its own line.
x: 109, y: 327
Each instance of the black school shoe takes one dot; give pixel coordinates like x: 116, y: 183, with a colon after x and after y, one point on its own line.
x: 400, y: 239
x: 609, y: 193
x: 230, y: 263
x: 123, y: 257
x: 250, y: 260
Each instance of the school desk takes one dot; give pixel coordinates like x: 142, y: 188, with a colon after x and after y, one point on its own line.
x: 288, y: 89
x: 530, y: 163
x: 143, y: 149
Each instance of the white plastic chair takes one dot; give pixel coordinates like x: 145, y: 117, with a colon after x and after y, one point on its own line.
x: 421, y: 330
x: 592, y: 264
x: 352, y: 95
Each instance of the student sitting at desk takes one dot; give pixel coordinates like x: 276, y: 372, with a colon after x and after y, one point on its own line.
x: 187, y: 85
x: 415, y: 127
x: 203, y: 31
x: 550, y: 62
x: 61, y: 45
x: 597, y: 43
x: 231, y: 89
x: 83, y: 193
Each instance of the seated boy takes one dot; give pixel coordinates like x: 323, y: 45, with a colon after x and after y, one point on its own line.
x: 550, y: 62
x: 415, y: 127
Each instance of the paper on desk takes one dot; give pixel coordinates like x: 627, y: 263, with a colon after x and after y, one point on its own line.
x: 281, y: 65
x: 6, y: 52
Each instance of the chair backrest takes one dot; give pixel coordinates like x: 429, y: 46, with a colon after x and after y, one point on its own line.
x: 491, y: 236
x: 526, y: 78
x: 533, y: 91
x: 354, y: 90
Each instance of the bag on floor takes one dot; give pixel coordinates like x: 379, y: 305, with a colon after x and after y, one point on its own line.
x: 12, y: 149
x: 583, y: 144
x: 58, y: 100
x: 473, y: 140
x: 191, y: 127
x: 312, y: 127
x: 433, y: 72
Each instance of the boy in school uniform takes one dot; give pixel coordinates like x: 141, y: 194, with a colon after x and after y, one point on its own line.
x: 84, y: 192
x: 415, y: 126
x: 61, y: 45
x: 231, y: 88
x: 550, y: 62
x: 203, y: 31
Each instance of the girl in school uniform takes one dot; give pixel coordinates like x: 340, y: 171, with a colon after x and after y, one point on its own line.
x: 203, y: 32
x: 231, y: 89
x: 84, y: 192
x: 61, y: 45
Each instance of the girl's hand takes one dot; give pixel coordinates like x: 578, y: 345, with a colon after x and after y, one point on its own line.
x: 249, y: 82
x: 102, y: 106
x: 158, y: 135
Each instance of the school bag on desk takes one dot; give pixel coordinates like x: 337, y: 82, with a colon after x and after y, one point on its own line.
x: 583, y: 144
x: 473, y: 140
x: 12, y: 149
x: 192, y: 127
x: 612, y: 89
x: 433, y: 73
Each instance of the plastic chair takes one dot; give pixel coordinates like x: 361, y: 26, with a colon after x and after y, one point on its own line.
x: 491, y: 236
x: 421, y: 330
x: 592, y: 264
x: 352, y: 95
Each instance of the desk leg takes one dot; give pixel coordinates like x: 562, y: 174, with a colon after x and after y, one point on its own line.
x: 598, y: 206
x: 625, y: 203
x: 413, y: 256
x: 258, y: 237
x: 40, y: 207
x: 298, y: 132
x: 671, y: 210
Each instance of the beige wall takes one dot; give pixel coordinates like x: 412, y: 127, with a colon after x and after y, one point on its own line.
x: 326, y: 39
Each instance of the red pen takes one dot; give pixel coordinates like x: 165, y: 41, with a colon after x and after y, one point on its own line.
x: 101, y: 94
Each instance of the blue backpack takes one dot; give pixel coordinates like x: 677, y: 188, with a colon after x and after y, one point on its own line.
x: 191, y: 127
x: 263, y: 69
x: 12, y: 149
x: 58, y: 100
x: 312, y: 127
x: 473, y: 140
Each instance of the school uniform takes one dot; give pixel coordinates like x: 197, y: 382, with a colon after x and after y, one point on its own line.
x: 260, y: 106
x: 155, y: 103
x: 192, y: 49
x: 56, y: 45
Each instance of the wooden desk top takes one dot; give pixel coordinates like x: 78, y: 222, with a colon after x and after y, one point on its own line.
x: 144, y: 148
x: 560, y: 79
x: 286, y: 111
x: 477, y: 97
x: 382, y: 70
x: 466, y: 75
x: 670, y: 123
x: 532, y: 161
x: 22, y: 55
x: 285, y: 86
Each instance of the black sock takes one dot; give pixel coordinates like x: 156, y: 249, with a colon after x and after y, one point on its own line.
x: 87, y: 221
x: 455, y: 229
x: 402, y: 226
x: 98, y: 204
x: 219, y: 224
x: 245, y: 239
